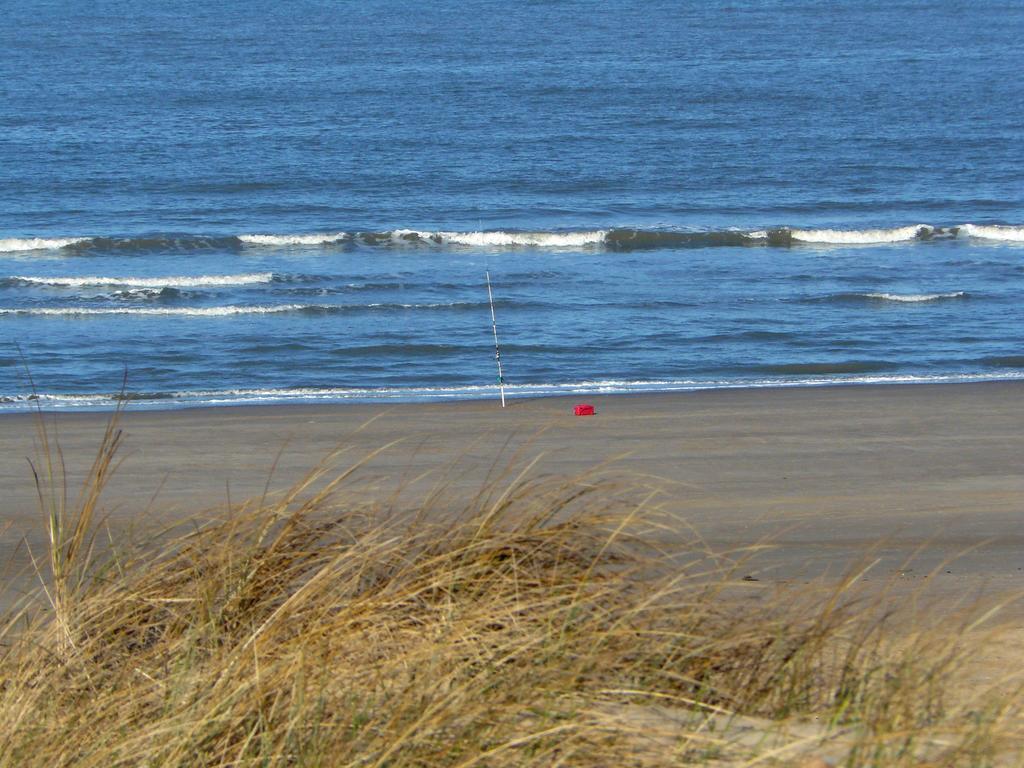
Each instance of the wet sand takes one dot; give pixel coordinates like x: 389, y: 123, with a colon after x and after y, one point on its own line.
x: 824, y: 473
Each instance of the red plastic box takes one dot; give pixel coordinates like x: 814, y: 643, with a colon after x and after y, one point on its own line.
x: 583, y: 409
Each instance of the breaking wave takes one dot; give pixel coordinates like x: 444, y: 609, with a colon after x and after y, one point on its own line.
x: 485, y: 239
x: 182, y: 311
x: 614, y: 238
x: 913, y: 298
x: 16, y: 244
x: 862, y: 236
x: 500, y: 239
x: 200, y: 281
x: 227, y: 311
x: 994, y: 232
x: 879, y: 296
x: 284, y: 240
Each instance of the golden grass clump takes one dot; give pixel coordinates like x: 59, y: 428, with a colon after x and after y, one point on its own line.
x: 543, y: 624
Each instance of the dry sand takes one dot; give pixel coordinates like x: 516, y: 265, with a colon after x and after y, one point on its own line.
x: 824, y: 473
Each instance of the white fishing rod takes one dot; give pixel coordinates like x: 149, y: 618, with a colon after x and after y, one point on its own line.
x: 494, y: 328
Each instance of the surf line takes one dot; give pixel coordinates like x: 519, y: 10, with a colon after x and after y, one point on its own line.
x: 494, y: 329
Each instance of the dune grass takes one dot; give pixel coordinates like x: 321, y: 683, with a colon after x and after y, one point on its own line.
x: 540, y: 624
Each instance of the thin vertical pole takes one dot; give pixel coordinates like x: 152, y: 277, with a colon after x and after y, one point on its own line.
x: 497, y: 350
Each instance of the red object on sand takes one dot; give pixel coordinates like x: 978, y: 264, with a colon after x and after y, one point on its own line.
x: 583, y: 409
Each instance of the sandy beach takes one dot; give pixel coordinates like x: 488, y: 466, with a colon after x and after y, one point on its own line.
x: 825, y: 474
x: 921, y: 480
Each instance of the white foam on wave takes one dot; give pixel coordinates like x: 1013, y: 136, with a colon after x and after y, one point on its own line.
x: 860, y: 236
x: 223, y: 311
x: 150, y: 282
x: 561, y: 239
x: 256, y: 396
x: 313, y: 239
x: 914, y: 297
x: 994, y: 232
x: 182, y: 311
x: 61, y: 401
x: 499, y: 239
x: 583, y: 387
x: 431, y: 305
x: 15, y: 244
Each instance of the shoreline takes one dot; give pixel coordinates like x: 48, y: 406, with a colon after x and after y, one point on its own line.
x: 157, y: 404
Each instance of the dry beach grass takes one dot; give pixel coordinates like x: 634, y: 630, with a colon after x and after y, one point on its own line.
x: 541, y: 623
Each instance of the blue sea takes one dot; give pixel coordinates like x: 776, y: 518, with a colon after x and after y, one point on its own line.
x: 256, y: 202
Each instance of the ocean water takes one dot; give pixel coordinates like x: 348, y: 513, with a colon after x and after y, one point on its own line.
x: 266, y: 202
